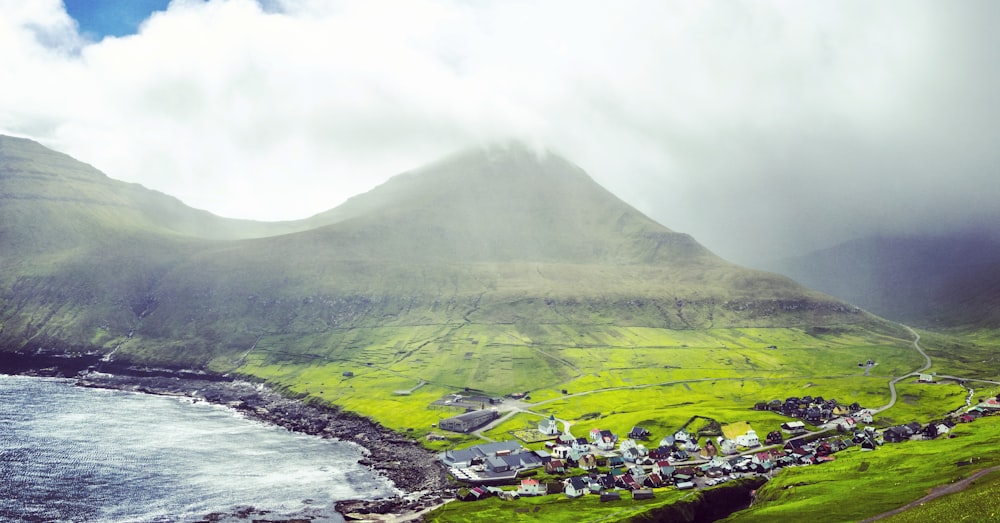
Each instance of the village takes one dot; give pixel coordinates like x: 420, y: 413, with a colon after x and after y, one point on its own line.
x: 604, y: 464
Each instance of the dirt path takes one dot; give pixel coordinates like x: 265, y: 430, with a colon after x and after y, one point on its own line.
x: 937, y: 492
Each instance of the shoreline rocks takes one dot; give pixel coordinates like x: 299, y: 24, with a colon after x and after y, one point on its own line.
x: 412, y: 469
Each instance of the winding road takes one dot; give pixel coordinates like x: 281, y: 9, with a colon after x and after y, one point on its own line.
x: 892, y: 384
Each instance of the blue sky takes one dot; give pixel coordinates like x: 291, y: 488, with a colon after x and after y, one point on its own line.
x: 100, y: 18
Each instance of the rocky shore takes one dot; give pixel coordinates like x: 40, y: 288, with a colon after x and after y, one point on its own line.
x: 413, y: 469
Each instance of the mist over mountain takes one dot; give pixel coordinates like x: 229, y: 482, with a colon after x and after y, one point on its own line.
x: 927, y: 280
x: 504, y: 235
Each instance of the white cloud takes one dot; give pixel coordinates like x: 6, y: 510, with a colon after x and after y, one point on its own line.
x: 752, y: 125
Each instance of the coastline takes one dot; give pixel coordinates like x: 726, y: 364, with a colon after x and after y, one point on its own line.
x: 413, y: 470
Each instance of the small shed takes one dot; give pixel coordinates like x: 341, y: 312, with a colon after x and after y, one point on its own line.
x: 644, y: 493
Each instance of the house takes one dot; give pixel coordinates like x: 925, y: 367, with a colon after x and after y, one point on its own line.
x: 632, y: 451
x: 681, y: 436
x: 610, y: 496
x: 473, y: 494
x: 556, y: 466
x: 638, y: 432
x: 469, y: 421
x: 560, y: 452
x: 604, y: 439
x: 549, y: 426
x: 581, y: 445
x: 661, y: 453
x: 478, y: 453
x: 847, y: 424
x: 863, y: 416
x: 897, y: 434
x: 727, y: 446
x: 748, y: 440
x: 595, y: 485
x: 685, y: 485
x: 925, y: 378
x: 576, y: 487
x: 607, y: 481
x: 774, y: 438
x: 794, y: 427
x: 587, y: 462
x: 531, y: 487
x: 653, y: 480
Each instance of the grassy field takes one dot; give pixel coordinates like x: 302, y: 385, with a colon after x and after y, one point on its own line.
x: 863, y: 484
x: 554, y: 508
x: 980, y: 502
x: 657, y: 378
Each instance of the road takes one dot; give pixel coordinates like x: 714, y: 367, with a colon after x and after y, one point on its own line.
x: 936, y: 492
x: 892, y: 384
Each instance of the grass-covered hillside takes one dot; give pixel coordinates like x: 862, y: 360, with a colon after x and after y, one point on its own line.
x: 493, y: 237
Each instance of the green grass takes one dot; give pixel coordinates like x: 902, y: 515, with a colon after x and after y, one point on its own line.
x: 980, y: 502
x: 863, y: 484
x: 554, y: 508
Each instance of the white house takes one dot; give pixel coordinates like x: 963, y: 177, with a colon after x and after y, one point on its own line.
x: 561, y: 452
x: 748, y: 440
x: 531, y: 487
x: 727, y: 446
x: 632, y: 451
x: 576, y: 487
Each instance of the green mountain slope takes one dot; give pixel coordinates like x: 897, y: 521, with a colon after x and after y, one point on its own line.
x: 497, y: 236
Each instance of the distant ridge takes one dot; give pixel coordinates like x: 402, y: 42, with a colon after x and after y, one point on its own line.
x: 504, y: 238
x: 925, y: 280
x: 30, y: 172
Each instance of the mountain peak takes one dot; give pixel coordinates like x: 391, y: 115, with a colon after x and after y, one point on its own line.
x: 505, y: 201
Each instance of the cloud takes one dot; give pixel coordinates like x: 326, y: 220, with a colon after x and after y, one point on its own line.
x: 759, y: 127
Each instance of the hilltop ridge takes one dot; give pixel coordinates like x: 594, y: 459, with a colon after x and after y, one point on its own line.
x: 489, y: 236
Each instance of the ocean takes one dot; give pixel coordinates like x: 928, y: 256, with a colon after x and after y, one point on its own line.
x: 77, y: 454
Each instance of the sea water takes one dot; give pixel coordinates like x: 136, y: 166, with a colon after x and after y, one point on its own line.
x: 77, y: 454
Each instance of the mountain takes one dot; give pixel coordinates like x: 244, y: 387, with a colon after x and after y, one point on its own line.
x: 501, y: 237
x: 930, y: 281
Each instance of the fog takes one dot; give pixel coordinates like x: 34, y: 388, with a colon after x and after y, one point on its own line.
x: 762, y: 128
